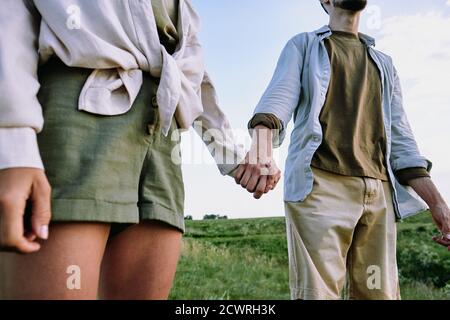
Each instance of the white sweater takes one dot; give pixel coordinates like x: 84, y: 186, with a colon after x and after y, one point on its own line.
x: 119, y: 40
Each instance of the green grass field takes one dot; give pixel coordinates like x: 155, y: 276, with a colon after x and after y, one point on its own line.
x: 247, y: 259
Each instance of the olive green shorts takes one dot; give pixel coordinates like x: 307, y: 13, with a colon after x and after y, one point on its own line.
x: 112, y: 169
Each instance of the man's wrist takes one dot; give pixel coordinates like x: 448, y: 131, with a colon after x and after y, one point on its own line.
x: 262, y: 134
x: 261, y: 126
x: 439, y: 205
x: 262, y: 147
x: 426, y: 189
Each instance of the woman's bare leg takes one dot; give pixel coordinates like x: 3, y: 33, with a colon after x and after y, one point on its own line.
x: 140, y: 262
x: 44, y: 275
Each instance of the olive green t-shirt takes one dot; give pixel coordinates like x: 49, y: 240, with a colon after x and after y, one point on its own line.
x: 166, y: 17
x: 354, y: 142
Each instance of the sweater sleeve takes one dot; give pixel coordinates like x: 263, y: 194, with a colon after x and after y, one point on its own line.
x: 20, y: 112
x: 270, y: 121
x: 405, y: 175
x: 266, y: 119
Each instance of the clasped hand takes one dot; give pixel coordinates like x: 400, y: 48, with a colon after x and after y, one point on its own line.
x: 259, y: 173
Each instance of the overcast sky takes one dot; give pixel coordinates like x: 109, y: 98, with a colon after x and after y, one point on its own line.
x: 242, y: 42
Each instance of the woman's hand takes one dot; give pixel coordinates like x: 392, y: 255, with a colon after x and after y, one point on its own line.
x: 258, y: 178
x: 17, y: 186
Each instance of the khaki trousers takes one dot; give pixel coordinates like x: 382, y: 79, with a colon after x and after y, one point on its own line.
x: 344, y: 232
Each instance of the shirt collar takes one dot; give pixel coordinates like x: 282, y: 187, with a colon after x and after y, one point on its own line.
x: 326, y: 32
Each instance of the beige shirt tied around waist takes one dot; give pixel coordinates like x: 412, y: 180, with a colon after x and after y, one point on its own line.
x: 118, y: 39
x: 166, y: 17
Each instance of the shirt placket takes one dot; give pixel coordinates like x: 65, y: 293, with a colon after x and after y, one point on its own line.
x: 387, y: 125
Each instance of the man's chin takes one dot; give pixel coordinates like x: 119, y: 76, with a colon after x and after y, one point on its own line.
x: 351, y: 5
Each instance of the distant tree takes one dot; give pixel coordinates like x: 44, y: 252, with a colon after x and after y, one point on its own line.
x: 189, y: 217
x: 214, y: 217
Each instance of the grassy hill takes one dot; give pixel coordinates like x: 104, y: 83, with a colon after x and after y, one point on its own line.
x: 247, y: 259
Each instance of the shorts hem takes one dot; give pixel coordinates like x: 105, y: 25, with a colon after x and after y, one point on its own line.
x: 87, y: 210
x: 153, y: 211
x: 310, y: 294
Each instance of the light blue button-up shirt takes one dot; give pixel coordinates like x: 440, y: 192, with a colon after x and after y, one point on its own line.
x: 298, y: 90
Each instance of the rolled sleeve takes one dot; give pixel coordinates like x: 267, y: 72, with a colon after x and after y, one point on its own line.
x: 270, y: 121
x: 404, y: 149
x: 405, y: 175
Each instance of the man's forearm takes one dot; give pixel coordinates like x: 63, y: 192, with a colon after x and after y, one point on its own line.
x: 440, y: 211
x: 428, y: 191
x: 259, y: 174
x: 269, y: 121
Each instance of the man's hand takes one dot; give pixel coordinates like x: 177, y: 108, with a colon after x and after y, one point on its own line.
x: 441, y: 217
x: 259, y: 173
x: 440, y: 211
x: 17, y: 186
x: 258, y: 178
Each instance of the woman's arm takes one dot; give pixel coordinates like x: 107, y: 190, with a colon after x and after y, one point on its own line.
x: 21, y: 174
x: 20, y: 110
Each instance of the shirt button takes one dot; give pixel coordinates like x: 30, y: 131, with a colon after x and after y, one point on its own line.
x: 316, y: 139
x: 155, y: 102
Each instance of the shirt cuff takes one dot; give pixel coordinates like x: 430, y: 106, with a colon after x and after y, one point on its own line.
x: 266, y: 119
x: 19, y: 148
x: 269, y: 121
x: 405, y: 175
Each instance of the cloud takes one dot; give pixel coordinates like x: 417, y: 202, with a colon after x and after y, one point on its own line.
x: 420, y: 47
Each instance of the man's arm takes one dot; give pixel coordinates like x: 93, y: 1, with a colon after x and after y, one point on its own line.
x: 440, y: 211
x: 282, y: 96
x: 269, y: 121
x: 410, y: 165
x: 259, y: 173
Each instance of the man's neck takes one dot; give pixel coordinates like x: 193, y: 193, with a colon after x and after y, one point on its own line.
x: 343, y: 20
